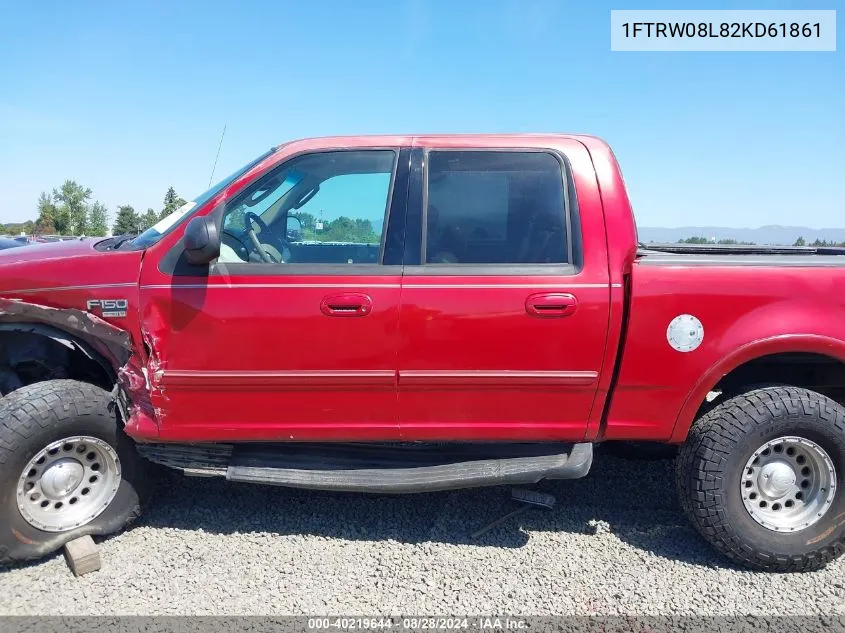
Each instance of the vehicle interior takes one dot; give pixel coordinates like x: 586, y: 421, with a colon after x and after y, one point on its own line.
x: 481, y: 213
x: 478, y: 213
x: 270, y: 222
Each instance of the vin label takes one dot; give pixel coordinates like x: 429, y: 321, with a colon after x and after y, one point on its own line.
x: 729, y: 30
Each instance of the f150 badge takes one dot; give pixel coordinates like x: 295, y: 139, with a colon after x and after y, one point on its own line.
x: 109, y: 307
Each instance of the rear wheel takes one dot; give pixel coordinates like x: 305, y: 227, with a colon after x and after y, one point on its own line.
x: 761, y: 476
x: 66, y: 468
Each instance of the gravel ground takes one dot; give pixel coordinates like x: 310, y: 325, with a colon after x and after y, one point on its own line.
x: 616, y: 543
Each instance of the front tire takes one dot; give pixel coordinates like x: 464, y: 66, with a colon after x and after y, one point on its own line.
x: 67, y: 469
x: 761, y: 478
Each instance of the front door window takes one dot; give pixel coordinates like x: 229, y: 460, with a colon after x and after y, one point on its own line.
x: 322, y: 208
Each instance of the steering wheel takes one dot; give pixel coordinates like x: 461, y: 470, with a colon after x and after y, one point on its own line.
x: 272, y: 239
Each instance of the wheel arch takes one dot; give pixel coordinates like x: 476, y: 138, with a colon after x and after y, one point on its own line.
x: 24, y: 341
x: 817, y: 345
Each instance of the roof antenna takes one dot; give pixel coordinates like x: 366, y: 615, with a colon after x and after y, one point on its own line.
x: 210, y: 178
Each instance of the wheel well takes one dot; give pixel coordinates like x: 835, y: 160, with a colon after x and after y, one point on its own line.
x: 31, y: 353
x: 816, y: 372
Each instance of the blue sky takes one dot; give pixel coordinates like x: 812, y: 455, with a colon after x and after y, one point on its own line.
x: 128, y: 98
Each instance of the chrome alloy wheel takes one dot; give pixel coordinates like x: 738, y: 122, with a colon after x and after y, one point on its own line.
x: 68, y: 483
x: 789, y: 483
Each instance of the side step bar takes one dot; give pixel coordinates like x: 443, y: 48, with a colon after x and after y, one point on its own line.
x: 379, y: 468
x: 397, y: 480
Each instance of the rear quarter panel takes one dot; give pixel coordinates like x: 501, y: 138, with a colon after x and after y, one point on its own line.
x: 748, y: 311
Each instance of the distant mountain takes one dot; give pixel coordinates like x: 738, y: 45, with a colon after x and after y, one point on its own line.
x: 781, y: 235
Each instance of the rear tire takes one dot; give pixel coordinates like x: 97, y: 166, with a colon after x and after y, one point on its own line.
x: 740, y: 475
x: 79, y: 425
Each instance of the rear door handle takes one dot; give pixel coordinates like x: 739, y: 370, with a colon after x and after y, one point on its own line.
x: 349, y: 304
x: 551, y: 304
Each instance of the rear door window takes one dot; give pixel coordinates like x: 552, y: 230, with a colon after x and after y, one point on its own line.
x: 495, y: 207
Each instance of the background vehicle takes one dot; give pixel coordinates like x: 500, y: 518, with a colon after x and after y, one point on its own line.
x: 6, y: 242
x: 400, y: 314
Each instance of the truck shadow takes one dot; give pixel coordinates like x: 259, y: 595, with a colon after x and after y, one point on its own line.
x: 633, y: 501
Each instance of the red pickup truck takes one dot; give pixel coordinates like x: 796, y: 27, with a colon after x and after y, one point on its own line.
x: 411, y: 313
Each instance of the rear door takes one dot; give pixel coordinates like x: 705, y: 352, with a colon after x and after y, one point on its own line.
x: 504, y: 318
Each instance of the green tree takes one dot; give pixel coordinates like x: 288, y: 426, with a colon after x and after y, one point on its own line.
x: 695, y: 240
x: 236, y: 219
x: 72, y: 204
x: 172, y: 201
x: 98, y: 220
x: 16, y: 228
x: 170, y: 197
x: 345, y: 229
x: 127, y: 221
x: 819, y: 242
x: 800, y: 242
x: 148, y: 219
x: 308, y: 220
x: 46, y: 222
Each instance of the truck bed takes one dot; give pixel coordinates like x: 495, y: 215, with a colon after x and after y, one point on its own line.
x: 739, y: 255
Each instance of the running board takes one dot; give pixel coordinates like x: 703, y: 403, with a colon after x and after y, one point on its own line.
x: 380, y: 468
x: 404, y: 471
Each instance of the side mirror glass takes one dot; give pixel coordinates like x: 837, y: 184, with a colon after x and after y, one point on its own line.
x: 202, y: 240
x: 293, y: 230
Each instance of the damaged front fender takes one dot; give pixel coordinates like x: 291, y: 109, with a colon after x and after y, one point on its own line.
x: 113, y: 344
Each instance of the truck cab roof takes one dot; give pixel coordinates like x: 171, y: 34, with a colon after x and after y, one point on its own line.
x: 528, y: 139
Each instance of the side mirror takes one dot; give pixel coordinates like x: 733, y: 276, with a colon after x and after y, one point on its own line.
x: 202, y: 240
x: 293, y: 230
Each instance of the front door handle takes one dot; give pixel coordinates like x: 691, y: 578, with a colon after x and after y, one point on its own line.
x: 350, y: 304
x: 551, y: 304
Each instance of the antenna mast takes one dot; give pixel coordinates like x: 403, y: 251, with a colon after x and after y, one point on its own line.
x: 210, y: 178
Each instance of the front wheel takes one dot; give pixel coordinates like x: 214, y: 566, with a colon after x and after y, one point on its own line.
x: 67, y: 469
x: 761, y: 476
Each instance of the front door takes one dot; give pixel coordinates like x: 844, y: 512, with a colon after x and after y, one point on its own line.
x: 503, y: 319
x: 292, y: 334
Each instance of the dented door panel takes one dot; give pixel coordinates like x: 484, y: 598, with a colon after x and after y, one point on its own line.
x: 235, y: 359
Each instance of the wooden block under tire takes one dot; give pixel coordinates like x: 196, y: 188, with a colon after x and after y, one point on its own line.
x: 82, y: 556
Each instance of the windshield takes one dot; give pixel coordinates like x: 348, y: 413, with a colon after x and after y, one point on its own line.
x: 158, y: 230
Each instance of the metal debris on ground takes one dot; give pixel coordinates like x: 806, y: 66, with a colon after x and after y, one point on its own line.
x: 521, y: 495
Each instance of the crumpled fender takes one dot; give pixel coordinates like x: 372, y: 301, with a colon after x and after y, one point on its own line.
x: 112, y: 343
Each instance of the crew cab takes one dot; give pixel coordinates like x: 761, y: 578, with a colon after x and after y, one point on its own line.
x: 398, y: 314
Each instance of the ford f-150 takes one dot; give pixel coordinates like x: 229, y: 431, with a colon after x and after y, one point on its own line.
x: 397, y: 314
